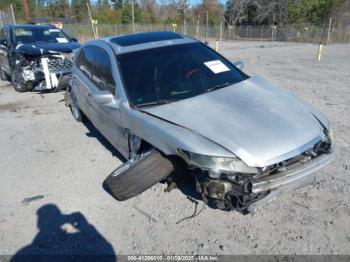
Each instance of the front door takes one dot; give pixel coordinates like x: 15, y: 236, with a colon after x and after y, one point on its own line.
x: 108, y: 118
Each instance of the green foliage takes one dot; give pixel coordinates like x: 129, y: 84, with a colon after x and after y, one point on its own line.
x: 234, y: 12
x: 56, y: 8
x: 310, y: 11
x: 17, y: 7
x: 117, y: 3
x: 79, y: 11
x: 148, y: 14
x: 126, y: 13
x: 215, y: 12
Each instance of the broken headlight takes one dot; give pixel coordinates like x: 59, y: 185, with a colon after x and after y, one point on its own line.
x: 226, y: 164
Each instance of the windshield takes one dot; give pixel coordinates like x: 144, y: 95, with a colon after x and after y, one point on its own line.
x: 168, y: 74
x: 37, y: 35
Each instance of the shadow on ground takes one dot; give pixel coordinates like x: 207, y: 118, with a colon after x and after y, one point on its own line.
x: 64, y: 237
x: 94, y: 133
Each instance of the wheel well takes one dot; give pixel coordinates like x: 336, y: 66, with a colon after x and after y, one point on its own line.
x: 174, y: 158
x: 144, y: 146
x: 138, y: 145
x: 67, y: 98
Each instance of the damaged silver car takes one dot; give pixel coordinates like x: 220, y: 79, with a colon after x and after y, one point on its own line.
x: 177, y: 109
x: 36, y: 57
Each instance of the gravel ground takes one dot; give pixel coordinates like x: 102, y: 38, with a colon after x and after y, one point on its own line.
x: 52, y: 169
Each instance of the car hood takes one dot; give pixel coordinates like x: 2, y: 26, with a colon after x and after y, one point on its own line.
x: 255, y: 120
x: 46, y: 48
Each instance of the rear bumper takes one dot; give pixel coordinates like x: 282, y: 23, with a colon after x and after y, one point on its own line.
x: 288, y: 181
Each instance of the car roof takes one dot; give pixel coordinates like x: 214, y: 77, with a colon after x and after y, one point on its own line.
x: 29, y: 26
x: 142, y: 38
x: 140, y: 41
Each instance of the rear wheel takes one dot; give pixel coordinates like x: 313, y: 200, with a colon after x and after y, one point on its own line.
x: 74, y: 108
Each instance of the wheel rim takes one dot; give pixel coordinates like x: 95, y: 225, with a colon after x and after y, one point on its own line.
x: 74, y: 106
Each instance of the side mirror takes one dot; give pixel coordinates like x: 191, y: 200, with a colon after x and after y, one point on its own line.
x: 73, y: 39
x: 239, y: 64
x: 3, y: 41
x: 103, y: 97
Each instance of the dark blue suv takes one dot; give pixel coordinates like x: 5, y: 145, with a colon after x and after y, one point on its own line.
x: 35, y: 57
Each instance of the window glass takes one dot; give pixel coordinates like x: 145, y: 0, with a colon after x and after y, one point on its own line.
x: 37, y: 35
x: 102, y: 74
x: 7, y: 35
x: 167, y: 74
x: 85, y: 60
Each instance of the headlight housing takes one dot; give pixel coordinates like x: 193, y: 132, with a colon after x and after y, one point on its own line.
x: 225, y: 164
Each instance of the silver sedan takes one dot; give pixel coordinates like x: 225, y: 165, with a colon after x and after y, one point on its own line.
x: 179, y: 111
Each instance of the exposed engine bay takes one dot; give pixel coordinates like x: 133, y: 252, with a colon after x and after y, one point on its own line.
x: 43, y: 72
x: 36, y: 57
x: 240, y: 191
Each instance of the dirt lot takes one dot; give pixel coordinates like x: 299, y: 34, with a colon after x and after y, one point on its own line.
x: 48, y: 158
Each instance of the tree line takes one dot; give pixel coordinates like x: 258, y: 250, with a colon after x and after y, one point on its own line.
x: 213, y: 12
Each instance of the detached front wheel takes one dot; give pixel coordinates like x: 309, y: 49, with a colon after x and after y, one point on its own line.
x: 138, y: 174
x: 17, y: 81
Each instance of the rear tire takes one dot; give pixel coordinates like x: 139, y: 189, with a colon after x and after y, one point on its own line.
x: 132, y: 178
x: 78, y: 115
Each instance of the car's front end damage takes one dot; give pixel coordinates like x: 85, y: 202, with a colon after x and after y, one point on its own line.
x: 41, y: 68
x: 226, y: 183
x: 44, y: 72
x: 230, y: 184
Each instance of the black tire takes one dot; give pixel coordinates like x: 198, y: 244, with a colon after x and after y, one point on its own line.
x: 78, y: 115
x: 132, y: 178
x: 63, y: 83
x: 18, y: 82
x: 3, y: 75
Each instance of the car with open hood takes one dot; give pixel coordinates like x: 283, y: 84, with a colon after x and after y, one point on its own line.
x: 176, y: 109
x: 36, y: 57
